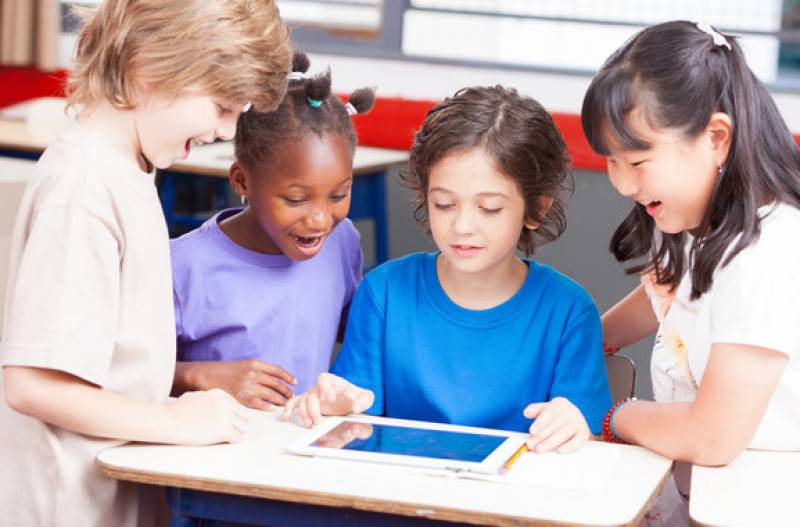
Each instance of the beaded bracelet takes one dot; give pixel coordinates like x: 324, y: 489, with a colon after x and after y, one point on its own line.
x: 609, y: 435
x: 608, y: 350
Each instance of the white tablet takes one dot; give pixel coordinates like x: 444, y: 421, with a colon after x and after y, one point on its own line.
x: 416, y: 443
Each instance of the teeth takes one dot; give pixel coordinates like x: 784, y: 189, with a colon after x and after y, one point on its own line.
x: 308, y: 242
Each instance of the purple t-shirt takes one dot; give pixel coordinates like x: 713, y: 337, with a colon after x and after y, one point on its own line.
x: 232, y: 303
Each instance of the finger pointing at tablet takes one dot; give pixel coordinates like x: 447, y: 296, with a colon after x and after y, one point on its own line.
x: 332, y: 395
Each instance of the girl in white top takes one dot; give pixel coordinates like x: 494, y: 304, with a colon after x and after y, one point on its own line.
x: 88, y: 344
x: 694, y: 139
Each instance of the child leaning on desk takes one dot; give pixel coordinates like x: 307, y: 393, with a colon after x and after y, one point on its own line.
x: 696, y: 141
x: 88, y: 344
x: 262, y: 291
x: 473, y: 334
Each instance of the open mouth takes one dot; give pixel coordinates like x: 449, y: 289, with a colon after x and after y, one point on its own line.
x: 310, y: 242
x: 653, y: 207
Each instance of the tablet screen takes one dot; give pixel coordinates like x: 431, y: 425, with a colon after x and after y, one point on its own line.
x: 406, y: 441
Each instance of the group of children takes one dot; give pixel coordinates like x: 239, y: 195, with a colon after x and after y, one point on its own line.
x: 472, y: 334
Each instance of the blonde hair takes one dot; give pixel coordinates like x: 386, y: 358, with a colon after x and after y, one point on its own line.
x: 234, y: 49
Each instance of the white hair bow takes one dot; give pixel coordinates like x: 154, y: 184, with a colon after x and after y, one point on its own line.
x: 719, y: 39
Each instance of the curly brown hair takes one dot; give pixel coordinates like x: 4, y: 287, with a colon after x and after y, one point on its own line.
x: 519, y: 135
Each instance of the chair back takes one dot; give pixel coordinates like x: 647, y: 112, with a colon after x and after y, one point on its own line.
x: 621, y: 376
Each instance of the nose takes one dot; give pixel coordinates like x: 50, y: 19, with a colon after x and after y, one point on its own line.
x: 623, y: 180
x: 320, y: 219
x: 464, y: 220
x: 226, y: 128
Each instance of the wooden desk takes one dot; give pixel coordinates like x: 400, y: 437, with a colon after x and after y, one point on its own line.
x: 256, y: 482
x: 368, y: 194
x: 757, y: 488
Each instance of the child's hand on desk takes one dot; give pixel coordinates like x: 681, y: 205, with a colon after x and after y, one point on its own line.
x: 558, y: 425
x: 332, y: 395
x: 205, y: 418
x: 252, y: 382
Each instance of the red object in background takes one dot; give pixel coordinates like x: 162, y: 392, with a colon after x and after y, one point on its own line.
x: 19, y: 84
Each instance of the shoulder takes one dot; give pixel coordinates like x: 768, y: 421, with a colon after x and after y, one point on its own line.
x: 191, y: 249
x: 777, y: 247
x: 345, y: 236
x: 392, y: 272
x: 560, y: 288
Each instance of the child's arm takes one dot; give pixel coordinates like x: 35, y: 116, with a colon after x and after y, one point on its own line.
x: 252, y: 382
x: 71, y: 403
x: 737, y: 386
x: 629, y: 320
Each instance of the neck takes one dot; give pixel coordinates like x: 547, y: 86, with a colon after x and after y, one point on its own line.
x: 482, y: 290
x: 243, y: 228
x: 115, y: 127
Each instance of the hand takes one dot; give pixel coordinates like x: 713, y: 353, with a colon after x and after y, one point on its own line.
x: 344, y: 434
x: 252, y: 382
x: 332, y: 395
x: 205, y: 418
x: 558, y: 425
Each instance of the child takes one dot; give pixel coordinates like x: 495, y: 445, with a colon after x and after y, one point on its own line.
x: 88, y: 345
x: 474, y: 335
x: 260, y: 292
x: 696, y: 141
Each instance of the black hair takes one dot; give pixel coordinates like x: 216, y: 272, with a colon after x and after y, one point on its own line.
x: 308, y: 107
x: 518, y: 134
x: 678, y: 76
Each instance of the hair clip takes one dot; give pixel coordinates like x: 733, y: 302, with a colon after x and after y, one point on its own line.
x: 246, y: 107
x: 296, y: 76
x: 350, y: 109
x: 719, y: 38
x: 315, y: 103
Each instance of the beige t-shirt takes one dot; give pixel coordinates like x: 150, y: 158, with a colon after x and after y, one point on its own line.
x: 89, y: 293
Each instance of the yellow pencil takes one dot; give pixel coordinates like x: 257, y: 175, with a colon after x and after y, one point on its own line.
x: 507, y: 465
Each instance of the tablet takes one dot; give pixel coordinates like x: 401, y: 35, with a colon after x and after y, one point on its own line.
x: 414, y: 443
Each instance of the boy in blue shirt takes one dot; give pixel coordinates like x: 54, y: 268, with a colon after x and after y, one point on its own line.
x: 474, y: 335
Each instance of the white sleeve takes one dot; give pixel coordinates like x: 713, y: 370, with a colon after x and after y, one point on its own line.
x: 63, y: 306
x: 756, y: 298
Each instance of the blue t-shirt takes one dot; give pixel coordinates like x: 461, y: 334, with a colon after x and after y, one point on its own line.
x: 232, y: 303
x: 427, y: 358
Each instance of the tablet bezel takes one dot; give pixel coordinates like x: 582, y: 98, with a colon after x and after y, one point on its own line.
x: 490, y: 465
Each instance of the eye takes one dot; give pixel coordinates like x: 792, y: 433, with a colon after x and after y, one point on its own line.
x: 637, y: 163
x: 487, y: 210
x: 223, y: 110
x: 443, y: 206
x: 338, y: 197
x: 294, y: 202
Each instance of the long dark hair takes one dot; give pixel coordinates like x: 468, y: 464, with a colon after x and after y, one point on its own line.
x: 519, y: 135
x: 679, y: 76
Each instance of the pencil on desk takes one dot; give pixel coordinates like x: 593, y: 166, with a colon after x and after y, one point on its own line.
x: 507, y: 465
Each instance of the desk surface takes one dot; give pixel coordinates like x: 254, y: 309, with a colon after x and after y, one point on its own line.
x: 757, y: 488
x: 207, y: 160
x: 259, y: 467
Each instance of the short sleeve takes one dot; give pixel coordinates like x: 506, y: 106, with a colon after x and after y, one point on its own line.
x: 580, y: 373
x: 63, y: 306
x: 756, y: 299
x: 361, y: 358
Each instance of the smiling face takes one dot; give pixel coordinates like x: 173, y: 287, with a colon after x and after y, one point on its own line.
x: 299, y: 195
x: 476, y: 213
x: 673, y: 179
x: 167, y: 126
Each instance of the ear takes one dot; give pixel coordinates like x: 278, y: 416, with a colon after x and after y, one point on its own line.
x: 544, y: 202
x: 720, y: 134
x: 238, y: 180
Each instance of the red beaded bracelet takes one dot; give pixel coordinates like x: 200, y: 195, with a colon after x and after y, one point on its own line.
x: 608, y: 428
x: 608, y: 350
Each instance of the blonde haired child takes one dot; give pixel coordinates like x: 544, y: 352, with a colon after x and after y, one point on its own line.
x: 88, y: 345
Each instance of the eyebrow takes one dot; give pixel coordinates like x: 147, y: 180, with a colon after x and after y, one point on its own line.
x: 482, y: 194
x: 304, y: 187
